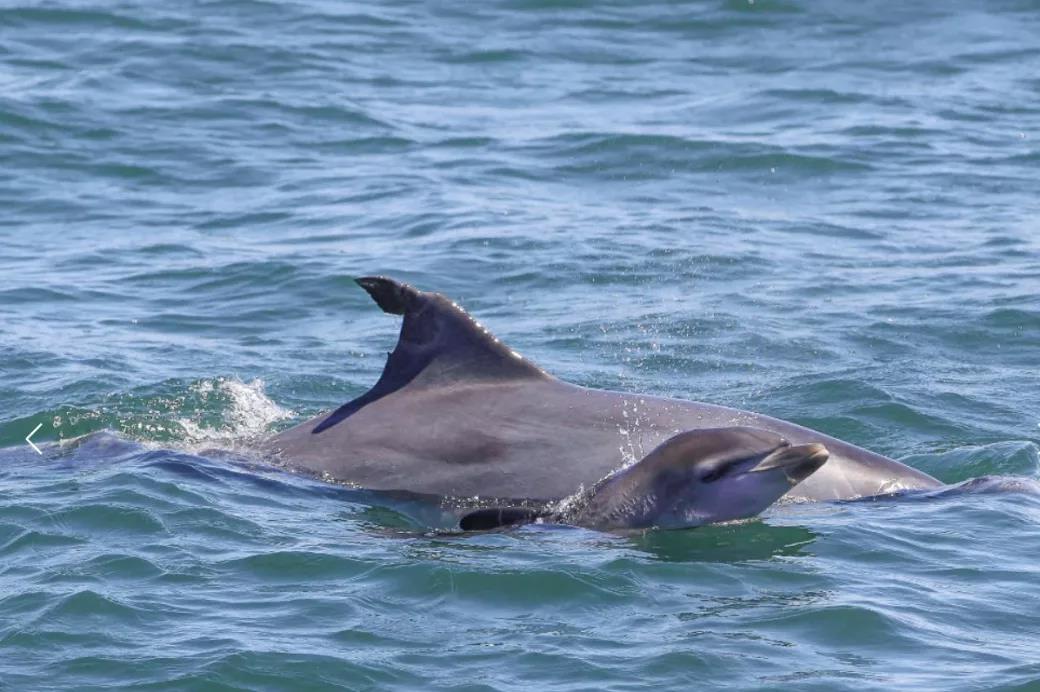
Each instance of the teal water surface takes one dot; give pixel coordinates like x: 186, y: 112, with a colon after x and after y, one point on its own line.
x: 828, y: 212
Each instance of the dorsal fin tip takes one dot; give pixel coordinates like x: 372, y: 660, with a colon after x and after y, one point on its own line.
x: 392, y: 296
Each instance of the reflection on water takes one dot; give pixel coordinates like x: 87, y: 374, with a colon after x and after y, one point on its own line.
x: 736, y: 542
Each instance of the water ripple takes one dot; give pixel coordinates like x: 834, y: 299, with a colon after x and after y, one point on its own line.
x: 826, y: 213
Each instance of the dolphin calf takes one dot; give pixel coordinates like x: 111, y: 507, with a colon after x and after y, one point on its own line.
x: 457, y: 413
x: 694, y: 478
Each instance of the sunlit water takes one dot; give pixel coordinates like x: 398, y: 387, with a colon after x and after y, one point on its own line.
x: 823, y: 211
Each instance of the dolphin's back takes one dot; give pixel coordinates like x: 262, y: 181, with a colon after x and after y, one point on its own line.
x: 457, y: 413
x: 543, y: 440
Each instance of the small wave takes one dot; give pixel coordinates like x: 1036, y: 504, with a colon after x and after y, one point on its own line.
x: 1020, y: 320
x: 641, y: 155
x: 99, y: 518
x: 38, y: 295
x: 33, y: 542
x: 94, y: 607
x: 83, y: 20
x: 362, y: 145
x: 486, y: 56
x: 295, y: 565
x: 815, y: 96
x: 1009, y: 458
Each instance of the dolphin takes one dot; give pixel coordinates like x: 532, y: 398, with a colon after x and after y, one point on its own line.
x: 456, y: 413
x: 694, y: 478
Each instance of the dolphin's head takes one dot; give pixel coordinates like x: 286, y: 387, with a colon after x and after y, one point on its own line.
x: 701, y: 477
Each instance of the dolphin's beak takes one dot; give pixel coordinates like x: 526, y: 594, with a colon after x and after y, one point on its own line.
x: 798, y: 462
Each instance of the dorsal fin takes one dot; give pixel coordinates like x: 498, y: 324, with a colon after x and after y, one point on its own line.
x: 439, y: 343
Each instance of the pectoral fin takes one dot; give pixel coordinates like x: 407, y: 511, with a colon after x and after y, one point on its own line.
x: 497, y: 517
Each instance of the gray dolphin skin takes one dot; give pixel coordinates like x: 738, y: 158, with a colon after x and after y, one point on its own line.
x: 456, y: 413
x: 694, y: 478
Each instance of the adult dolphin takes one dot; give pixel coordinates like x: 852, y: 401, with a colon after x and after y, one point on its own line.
x: 457, y: 413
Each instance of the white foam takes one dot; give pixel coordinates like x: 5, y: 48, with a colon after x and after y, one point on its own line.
x: 248, y: 416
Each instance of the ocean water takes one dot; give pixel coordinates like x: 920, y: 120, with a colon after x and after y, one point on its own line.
x: 828, y: 212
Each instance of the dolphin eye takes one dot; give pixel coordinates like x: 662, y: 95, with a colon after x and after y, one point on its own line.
x: 712, y: 475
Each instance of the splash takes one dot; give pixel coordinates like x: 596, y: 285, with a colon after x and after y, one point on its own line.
x: 573, y: 502
x: 246, y: 410
x: 223, y: 412
x: 631, y: 446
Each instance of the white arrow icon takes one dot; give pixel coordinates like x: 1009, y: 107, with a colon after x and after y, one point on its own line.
x: 30, y: 441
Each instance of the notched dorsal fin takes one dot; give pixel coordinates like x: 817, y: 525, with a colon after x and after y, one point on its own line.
x: 497, y: 517
x: 439, y: 344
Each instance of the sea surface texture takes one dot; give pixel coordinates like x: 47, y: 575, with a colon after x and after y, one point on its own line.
x: 824, y: 211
